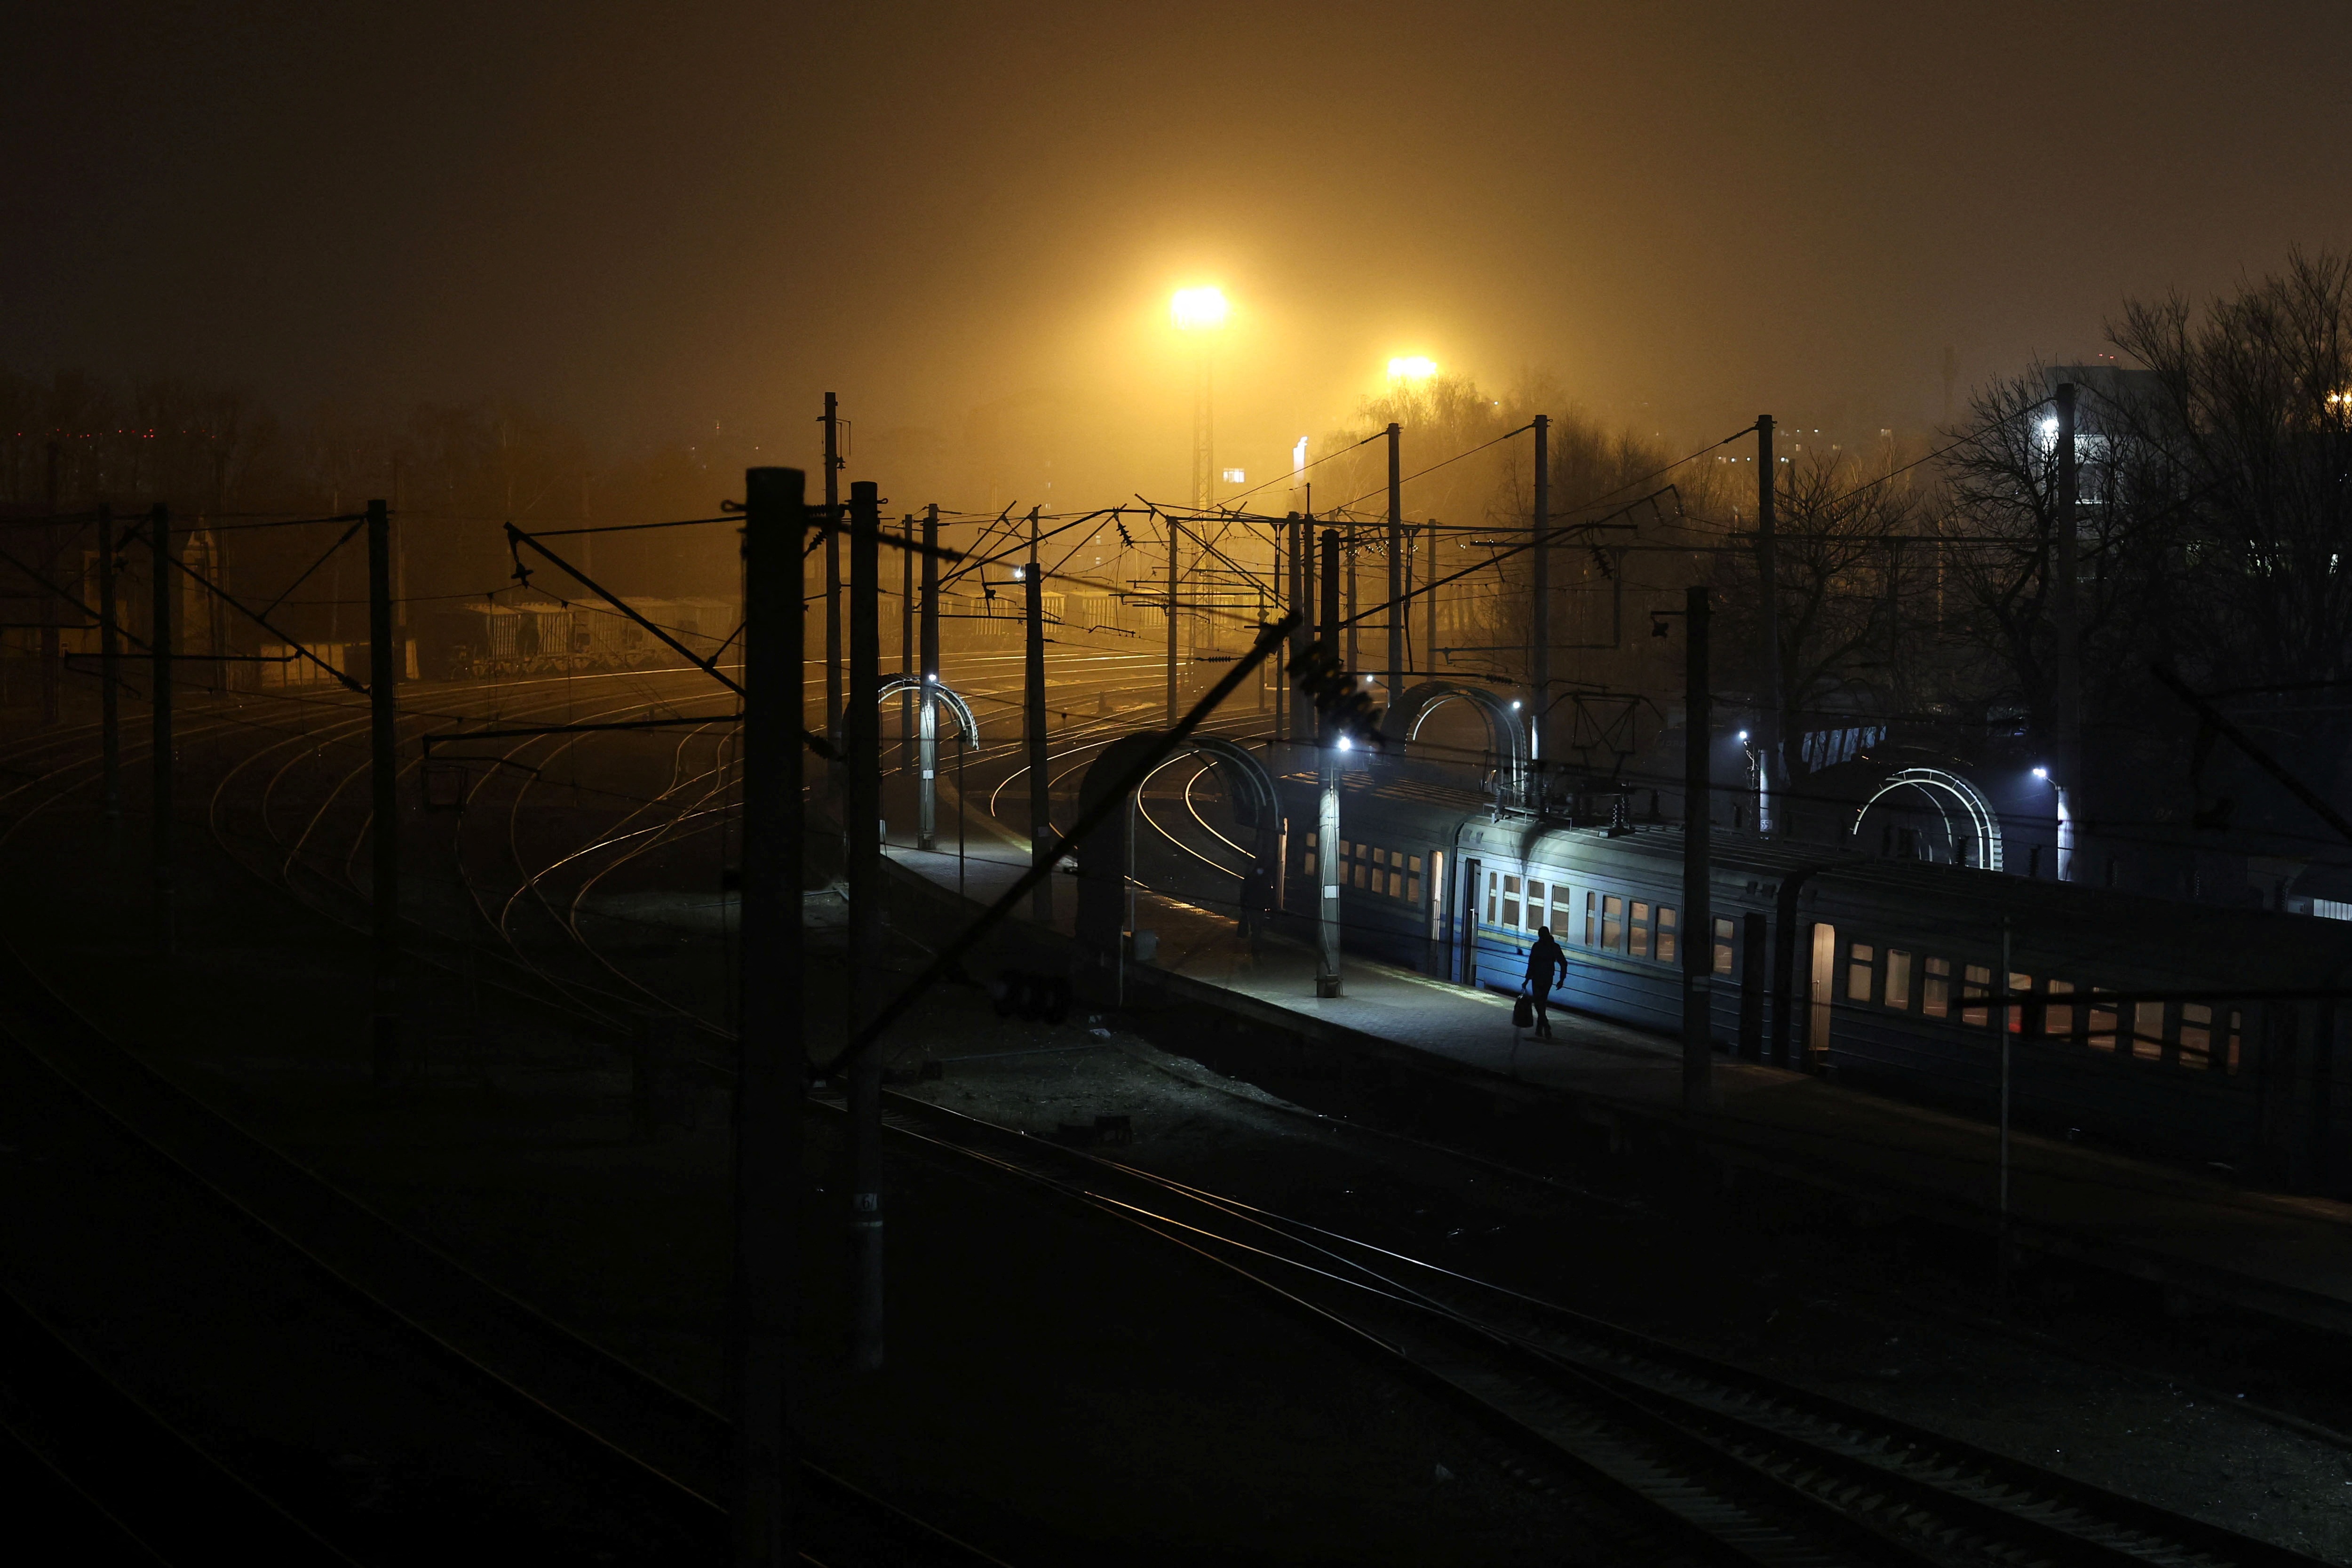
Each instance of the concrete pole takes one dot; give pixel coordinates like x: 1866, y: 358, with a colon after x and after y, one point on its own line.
x: 159, y: 539
x: 1396, y: 566
x: 1771, y: 716
x: 907, y: 646
x: 862, y: 806
x: 1355, y: 658
x: 383, y: 827
x: 1329, y: 869
x: 1696, y: 925
x: 1432, y: 574
x: 1172, y: 536
x: 1540, y: 611
x: 928, y: 827
x: 110, y: 678
x: 1302, y: 599
x: 1033, y: 707
x: 2065, y: 614
x: 771, y: 1058
x: 833, y: 581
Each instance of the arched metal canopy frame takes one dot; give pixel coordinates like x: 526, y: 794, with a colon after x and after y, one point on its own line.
x: 1939, y: 785
x: 1506, y: 737
x: 947, y: 696
x: 1102, y: 857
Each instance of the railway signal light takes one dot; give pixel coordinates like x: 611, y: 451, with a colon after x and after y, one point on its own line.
x: 1319, y: 676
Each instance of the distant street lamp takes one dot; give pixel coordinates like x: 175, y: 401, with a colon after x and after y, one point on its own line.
x: 1412, y: 367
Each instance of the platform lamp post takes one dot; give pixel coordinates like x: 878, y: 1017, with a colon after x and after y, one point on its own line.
x: 927, y: 830
x: 1698, y: 919
x: 1328, y: 868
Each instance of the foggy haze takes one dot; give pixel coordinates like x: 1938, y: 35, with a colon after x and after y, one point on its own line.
x: 685, y: 224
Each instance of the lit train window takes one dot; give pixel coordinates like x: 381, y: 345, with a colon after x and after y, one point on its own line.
x: 2021, y: 986
x: 2196, y: 1035
x: 1612, y: 923
x: 1667, y: 929
x: 1637, y: 930
x: 1510, y: 900
x: 2236, y: 1022
x: 1413, y: 878
x: 1976, y: 989
x: 2147, y: 1030
x: 1310, y: 855
x: 1536, y: 903
x: 1898, y: 978
x: 1490, y: 897
x: 1591, y: 918
x: 1723, y: 933
x: 2058, y: 1017
x: 1861, y: 970
x: 2103, y: 1026
x: 1563, y: 914
x: 1935, y: 988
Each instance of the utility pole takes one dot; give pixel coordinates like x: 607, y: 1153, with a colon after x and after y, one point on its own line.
x: 1172, y: 714
x: 383, y: 831
x: 770, y: 1059
x: 1772, y: 717
x: 1396, y: 566
x: 1698, y: 924
x: 1302, y: 599
x: 1040, y: 786
x: 1540, y: 619
x: 1432, y: 572
x: 833, y: 730
x: 863, y: 806
x: 1328, y: 871
x: 907, y: 646
x: 927, y: 831
x: 2066, y: 674
x: 159, y: 537
x: 110, y: 697
x: 52, y: 666
x: 1355, y: 659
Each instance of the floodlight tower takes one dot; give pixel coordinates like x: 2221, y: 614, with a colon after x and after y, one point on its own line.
x: 1199, y: 314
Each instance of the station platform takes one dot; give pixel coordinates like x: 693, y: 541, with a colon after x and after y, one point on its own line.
x: 2202, y: 1234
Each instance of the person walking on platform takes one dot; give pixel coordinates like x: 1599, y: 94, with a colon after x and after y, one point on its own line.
x: 1545, y: 962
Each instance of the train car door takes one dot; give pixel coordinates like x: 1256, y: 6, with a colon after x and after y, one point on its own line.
x: 1824, y: 978
x: 1466, y: 924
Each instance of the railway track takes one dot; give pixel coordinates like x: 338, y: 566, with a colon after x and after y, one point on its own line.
x: 1752, y: 1468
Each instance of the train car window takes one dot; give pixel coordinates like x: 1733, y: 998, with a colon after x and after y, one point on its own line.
x: 2147, y: 1030
x: 1976, y: 987
x: 2058, y: 1017
x: 1490, y: 897
x: 2236, y: 1023
x: 1935, y: 988
x: 2196, y: 1035
x: 1899, y: 979
x: 1637, y: 930
x: 1817, y: 1039
x: 1612, y: 923
x: 1591, y: 918
x: 1537, y: 904
x: 1511, y: 901
x: 1396, y: 882
x: 1723, y: 934
x: 2103, y: 1026
x: 1861, y: 971
x: 2021, y: 986
x: 1310, y: 855
x: 1666, y: 932
x: 1563, y: 914
x: 1347, y: 850
x: 1413, y: 878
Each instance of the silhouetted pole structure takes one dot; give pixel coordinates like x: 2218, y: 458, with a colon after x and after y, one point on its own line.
x: 1539, y: 612
x: 159, y: 539
x: 1355, y: 658
x: 1172, y: 714
x: 770, y: 1060
x: 1432, y: 572
x: 383, y: 829
x: 1328, y: 871
x: 1396, y: 566
x: 52, y: 666
x: 907, y: 646
x: 110, y: 675
x: 1033, y: 707
x: 1696, y: 925
x: 833, y: 581
x: 927, y: 831
x: 1302, y: 599
x: 2066, y: 672
x: 1773, y: 714
x: 863, y: 807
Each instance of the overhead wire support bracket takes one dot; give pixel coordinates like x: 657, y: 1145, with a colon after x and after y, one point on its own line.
x: 516, y: 538
x: 226, y: 597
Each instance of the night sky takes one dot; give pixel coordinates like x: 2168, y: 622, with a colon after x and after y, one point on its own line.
x: 656, y: 221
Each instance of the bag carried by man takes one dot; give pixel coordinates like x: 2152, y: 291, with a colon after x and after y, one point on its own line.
x: 1523, y: 1012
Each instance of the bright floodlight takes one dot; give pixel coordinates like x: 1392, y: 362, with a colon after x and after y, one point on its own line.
x: 1016, y: 573
x: 1346, y: 744
x: 1198, y: 310
x: 1515, y: 702
x: 2042, y: 772
x: 1743, y: 734
x: 1413, y: 367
